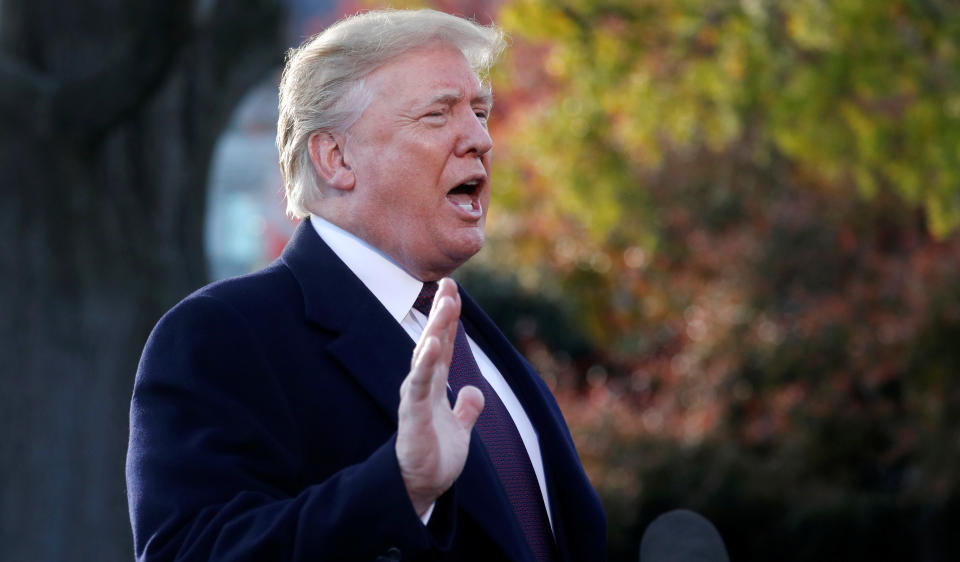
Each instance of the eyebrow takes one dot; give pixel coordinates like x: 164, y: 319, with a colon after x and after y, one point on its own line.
x: 485, y: 97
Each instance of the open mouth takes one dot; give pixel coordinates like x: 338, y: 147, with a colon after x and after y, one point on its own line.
x: 466, y: 197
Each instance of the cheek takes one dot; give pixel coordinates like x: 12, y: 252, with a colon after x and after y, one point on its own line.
x: 421, y: 163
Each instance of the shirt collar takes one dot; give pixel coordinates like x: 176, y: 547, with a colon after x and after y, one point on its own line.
x: 394, y: 288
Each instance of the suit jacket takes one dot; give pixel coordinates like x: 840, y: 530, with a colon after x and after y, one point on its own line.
x: 263, y: 426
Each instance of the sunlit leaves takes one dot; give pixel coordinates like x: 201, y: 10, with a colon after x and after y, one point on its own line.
x: 860, y: 94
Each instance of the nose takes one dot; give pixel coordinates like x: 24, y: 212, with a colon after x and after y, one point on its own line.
x: 474, y: 138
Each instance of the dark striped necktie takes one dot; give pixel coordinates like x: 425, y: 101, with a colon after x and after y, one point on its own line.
x: 501, y: 439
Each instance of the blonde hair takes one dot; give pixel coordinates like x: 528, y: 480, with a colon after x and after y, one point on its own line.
x: 322, y: 86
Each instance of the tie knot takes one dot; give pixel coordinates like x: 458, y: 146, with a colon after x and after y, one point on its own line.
x: 425, y: 298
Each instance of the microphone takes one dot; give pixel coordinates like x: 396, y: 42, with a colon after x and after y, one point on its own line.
x: 682, y: 535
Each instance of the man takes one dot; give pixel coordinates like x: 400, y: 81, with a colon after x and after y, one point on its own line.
x: 279, y: 416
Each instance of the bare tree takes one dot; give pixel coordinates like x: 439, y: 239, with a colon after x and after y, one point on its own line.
x: 109, y: 111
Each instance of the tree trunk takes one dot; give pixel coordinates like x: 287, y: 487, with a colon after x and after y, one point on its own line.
x: 109, y: 111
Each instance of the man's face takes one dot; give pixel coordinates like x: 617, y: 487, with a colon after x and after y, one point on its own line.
x: 421, y: 156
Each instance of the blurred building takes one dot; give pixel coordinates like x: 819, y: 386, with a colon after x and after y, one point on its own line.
x: 246, y: 226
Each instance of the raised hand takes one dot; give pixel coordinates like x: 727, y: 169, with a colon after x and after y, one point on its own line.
x: 433, y: 438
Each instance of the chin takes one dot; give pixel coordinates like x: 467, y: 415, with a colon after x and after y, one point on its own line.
x: 461, y: 252
x: 446, y: 250
x: 470, y: 244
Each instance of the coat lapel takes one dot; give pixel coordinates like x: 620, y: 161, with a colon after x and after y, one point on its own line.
x: 369, y: 344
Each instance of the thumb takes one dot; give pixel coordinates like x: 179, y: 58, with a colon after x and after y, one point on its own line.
x: 468, y: 406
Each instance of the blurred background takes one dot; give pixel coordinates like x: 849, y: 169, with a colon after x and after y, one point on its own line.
x: 726, y: 232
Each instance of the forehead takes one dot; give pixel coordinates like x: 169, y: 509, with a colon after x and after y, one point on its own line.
x: 427, y: 74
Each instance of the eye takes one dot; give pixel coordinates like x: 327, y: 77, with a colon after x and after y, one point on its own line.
x: 481, y: 114
x: 435, y: 113
x: 434, y: 118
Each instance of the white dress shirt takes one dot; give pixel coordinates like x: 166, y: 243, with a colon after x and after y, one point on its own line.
x: 397, y: 290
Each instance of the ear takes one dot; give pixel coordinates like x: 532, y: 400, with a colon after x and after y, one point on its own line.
x: 326, y: 154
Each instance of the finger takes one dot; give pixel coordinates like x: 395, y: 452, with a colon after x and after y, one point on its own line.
x: 445, y: 308
x: 445, y: 338
x: 442, y: 327
x: 435, y: 327
x: 447, y: 293
x: 448, y: 329
x: 431, y: 366
x: 447, y: 312
x: 450, y: 286
x: 417, y: 384
x: 445, y: 288
x: 442, y: 323
x: 468, y: 406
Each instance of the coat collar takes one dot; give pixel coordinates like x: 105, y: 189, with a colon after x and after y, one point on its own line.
x: 331, y: 292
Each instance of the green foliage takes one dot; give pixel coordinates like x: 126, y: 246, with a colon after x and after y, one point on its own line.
x: 858, y: 95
